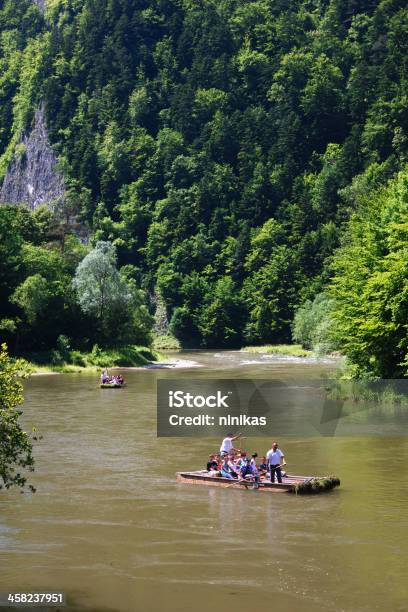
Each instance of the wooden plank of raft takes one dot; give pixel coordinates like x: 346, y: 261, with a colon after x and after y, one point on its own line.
x: 225, y: 482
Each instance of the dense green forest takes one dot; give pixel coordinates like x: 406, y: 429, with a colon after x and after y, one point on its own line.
x: 246, y: 158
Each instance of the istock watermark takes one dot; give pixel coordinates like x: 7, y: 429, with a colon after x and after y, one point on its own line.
x: 209, y: 407
x: 179, y: 399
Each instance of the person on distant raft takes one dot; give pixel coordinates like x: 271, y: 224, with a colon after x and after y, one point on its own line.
x: 263, y: 467
x: 254, y: 457
x: 234, y: 466
x: 212, y: 466
x: 241, y: 459
x: 248, y: 471
x: 275, y: 459
x: 227, y: 446
x: 226, y: 470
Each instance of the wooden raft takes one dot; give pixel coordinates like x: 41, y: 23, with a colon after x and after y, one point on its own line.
x: 112, y: 385
x: 290, y: 484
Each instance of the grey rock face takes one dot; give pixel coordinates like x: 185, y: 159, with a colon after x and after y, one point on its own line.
x: 32, y: 177
x: 161, y: 321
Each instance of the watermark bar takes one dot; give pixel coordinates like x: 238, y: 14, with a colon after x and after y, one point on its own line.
x: 37, y: 599
x: 212, y: 407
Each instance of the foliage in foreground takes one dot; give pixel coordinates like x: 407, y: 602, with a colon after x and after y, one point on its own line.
x: 15, y: 444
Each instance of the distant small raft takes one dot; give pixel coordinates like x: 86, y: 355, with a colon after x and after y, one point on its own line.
x: 112, y: 385
x: 300, y: 485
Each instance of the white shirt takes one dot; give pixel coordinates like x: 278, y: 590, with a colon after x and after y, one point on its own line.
x: 253, y: 464
x: 274, y: 457
x: 226, y: 445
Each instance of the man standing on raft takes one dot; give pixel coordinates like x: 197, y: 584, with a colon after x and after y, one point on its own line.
x: 227, y: 447
x: 275, y: 459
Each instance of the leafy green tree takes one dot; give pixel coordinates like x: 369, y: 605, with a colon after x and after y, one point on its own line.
x: 32, y: 296
x: 105, y: 295
x: 312, y: 324
x: 11, y: 256
x: 184, y: 326
x: 222, y: 319
x: 369, y: 287
x: 15, y: 444
x: 44, y: 300
x: 100, y: 289
x: 270, y: 289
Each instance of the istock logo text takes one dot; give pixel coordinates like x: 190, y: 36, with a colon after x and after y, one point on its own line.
x: 179, y: 399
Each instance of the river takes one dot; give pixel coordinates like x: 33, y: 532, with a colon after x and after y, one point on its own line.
x: 111, y: 527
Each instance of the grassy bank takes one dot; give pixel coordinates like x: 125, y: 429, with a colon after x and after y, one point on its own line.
x: 166, y: 343
x: 292, y: 350
x: 95, y: 360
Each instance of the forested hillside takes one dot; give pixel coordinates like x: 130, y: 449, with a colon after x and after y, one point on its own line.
x: 223, y: 146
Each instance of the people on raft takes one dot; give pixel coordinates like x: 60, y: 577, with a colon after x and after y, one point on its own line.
x: 263, y: 467
x: 242, y: 458
x: 111, y: 380
x: 213, y: 466
x: 237, y: 464
x: 228, y: 468
x: 249, y: 471
x: 254, y: 457
x: 275, y: 458
x: 227, y: 446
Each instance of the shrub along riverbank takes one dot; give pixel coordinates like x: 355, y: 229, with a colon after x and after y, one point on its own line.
x: 291, y: 350
x: 166, y: 342
x: 77, y: 361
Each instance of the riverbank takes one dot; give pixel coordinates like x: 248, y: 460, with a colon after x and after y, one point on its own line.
x: 74, y: 361
x: 290, y: 350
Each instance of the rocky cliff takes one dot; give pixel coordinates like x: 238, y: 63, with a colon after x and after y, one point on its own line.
x: 32, y: 177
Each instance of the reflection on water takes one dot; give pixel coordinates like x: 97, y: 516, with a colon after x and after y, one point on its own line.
x: 110, y: 526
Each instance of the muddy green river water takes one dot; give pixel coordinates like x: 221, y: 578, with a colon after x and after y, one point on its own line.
x: 111, y: 527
